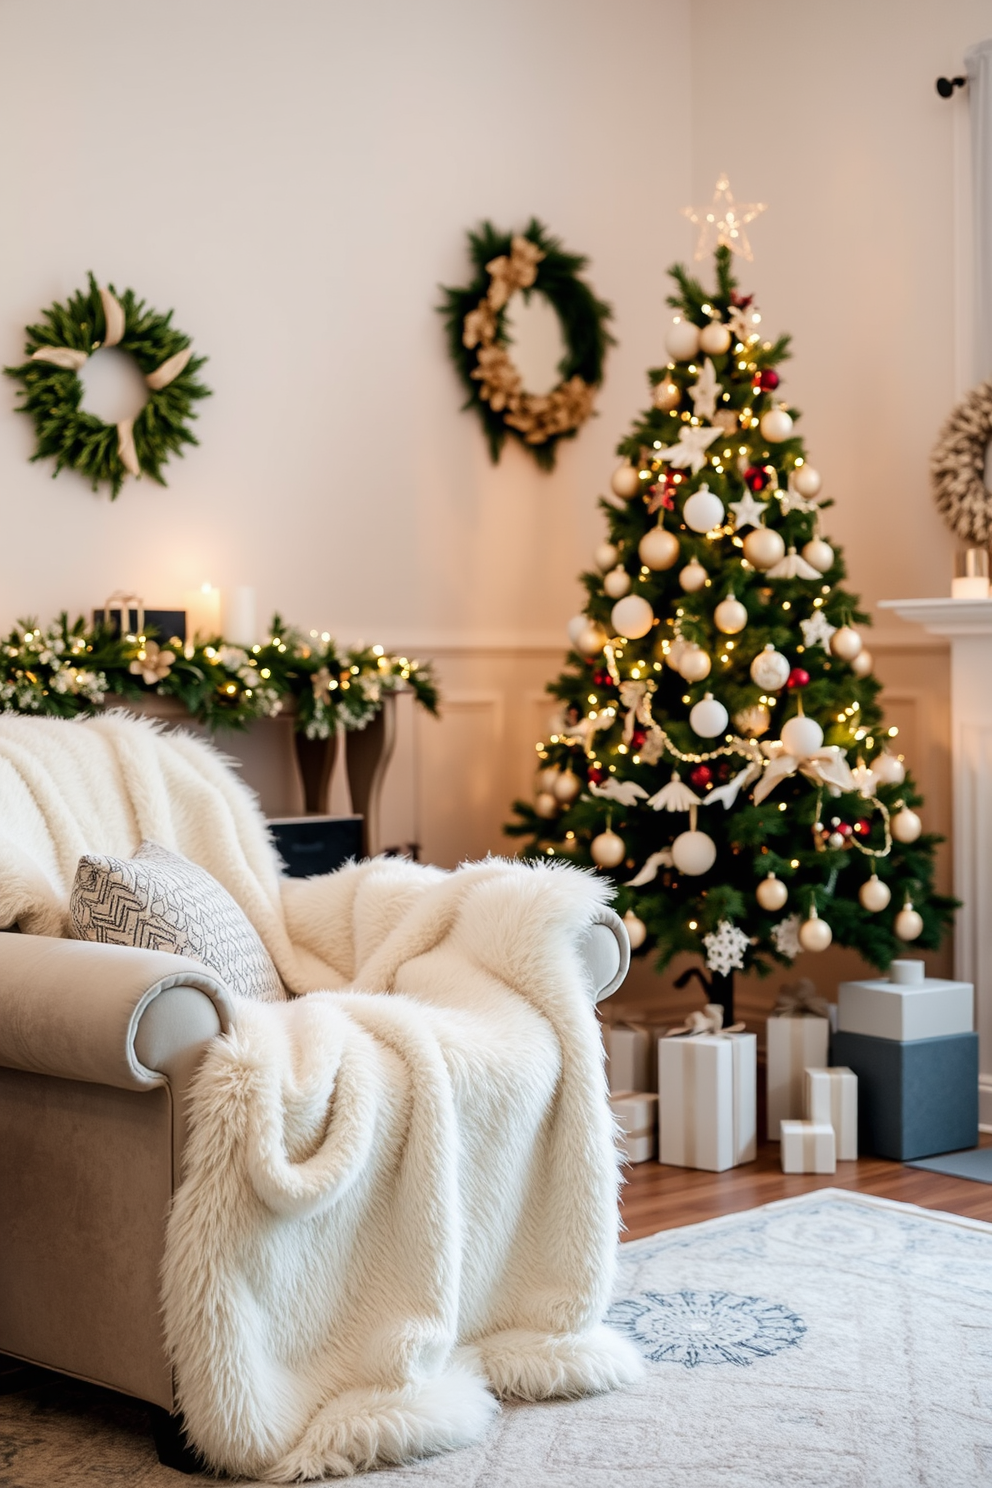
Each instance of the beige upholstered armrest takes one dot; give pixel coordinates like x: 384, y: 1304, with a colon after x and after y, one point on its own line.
x: 108, y: 1015
x: 605, y: 948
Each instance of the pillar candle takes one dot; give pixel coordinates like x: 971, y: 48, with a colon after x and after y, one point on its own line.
x: 203, y: 613
x: 239, y: 616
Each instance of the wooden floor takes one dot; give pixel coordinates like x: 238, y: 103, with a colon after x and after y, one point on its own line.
x: 660, y: 1198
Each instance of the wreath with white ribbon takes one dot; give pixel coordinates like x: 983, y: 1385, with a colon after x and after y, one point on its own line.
x: 52, y: 390
x: 480, y: 345
x: 957, y: 467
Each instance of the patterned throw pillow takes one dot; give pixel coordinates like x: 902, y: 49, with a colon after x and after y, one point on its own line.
x: 163, y: 902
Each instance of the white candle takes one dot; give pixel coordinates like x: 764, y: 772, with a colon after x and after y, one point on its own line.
x: 203, y: 613
x: 239, y: 616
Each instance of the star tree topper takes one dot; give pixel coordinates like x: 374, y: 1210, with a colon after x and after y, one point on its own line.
x: 722, y: 223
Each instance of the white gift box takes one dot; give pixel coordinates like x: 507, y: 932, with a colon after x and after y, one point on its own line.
x: 631, y: 1056
x: 636, y: 1112
x: 832, y: 1100
x: 906, y: 1005
x: 808, y: 1147
x: 707, y: 1101
x: 793, y: 1044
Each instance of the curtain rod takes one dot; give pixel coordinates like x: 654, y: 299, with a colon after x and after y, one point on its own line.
x: 945, y: 86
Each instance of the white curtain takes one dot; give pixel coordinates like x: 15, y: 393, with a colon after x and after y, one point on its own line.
x: 978, y: 68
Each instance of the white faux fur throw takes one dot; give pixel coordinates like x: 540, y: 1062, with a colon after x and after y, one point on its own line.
x: 399, y: 1200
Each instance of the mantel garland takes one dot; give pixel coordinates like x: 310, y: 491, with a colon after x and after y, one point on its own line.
x: 65, y: 670
x: 479, y: 340
x: 52, y: 391
x: 957, y: 467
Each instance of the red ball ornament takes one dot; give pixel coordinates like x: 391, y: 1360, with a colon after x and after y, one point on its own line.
x: 862, y: 826
x: 844, y: 828
x: 601, y: 677
x: 701, y: 775
x: 595, y: 774
x: 757, y: 477
x: 768, y: 380
x: 638, y: 738
x: 798, y: 677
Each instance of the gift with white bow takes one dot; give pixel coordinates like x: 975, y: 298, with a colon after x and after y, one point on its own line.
x: 707, y: 1093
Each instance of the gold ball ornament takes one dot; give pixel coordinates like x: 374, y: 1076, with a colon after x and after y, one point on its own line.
x: 763, y: 547
x: 682, y: 341
x: 605, y: 556
x: 905, y: 826
x: 908, y: 923
x: 693, y: 853
x: 775, y: 425
x: 632, y: 617
x: 715, y: 338
x: 666, y: 395
x: 819, y: 554
x: 771, y: 893
x: 567, y: 787
x: 608, y: 850
x: 546, y: 805
x: 693, y: 663
x: 673, y: 656
x: 703, y: 510
x: 693, y: 576
x: 637, y: 931
x: 617, y: 583
x: 845, y: 643
x: 815, y: 934
x: 801, y: 736
x: 770, y: 669
x: 753, y: 722
x: 708, y: 718
x: 874, y: 895
x: 591, y: 639
x: 807, y: 481
x: 658, y: 549
x: 546, y: 779
x: 576, y: 626
x: 625, y: 481
x: 730, y: 616
x: 863, y: 663
x: 888, y: 770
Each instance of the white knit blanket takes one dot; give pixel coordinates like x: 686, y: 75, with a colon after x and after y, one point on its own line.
x: 399, y: 1200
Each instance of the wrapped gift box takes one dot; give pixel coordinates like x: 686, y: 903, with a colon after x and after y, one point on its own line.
x: 832, y: 1100
x: 808, y: 1147
x: 906, y: 1005
x: 793, y: 1045
x: 916, y: 1097
x: 632, y: 1055
x: 636, y: 1112
x: 707, y: 1100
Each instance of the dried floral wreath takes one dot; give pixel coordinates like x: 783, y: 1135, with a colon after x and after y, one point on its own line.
x: 957, y: 467
x: 479, y: 341
x: 52, y: 391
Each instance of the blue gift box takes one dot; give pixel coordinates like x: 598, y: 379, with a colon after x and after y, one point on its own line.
x: 915, y: 1098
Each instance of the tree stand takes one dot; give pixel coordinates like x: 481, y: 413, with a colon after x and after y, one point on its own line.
x: 718, y: 987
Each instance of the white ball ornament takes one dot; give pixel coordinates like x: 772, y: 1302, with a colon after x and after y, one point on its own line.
x: 546, y: 779
x: 658, y: 549
x: 693, y: 576
x: 845, y: 643
x: 770, y: 669
x: 801, y: 736
x: 693, y: 853
x: 775, y: 425
x: 637, y: 931
x: 863, y: 663
x: 905, y: 826
x: 632, y: 617
x: 807, y: 481
x: 673, y: 656
x: 666, y: 395
x: 730, y: 616
x: 576, y: 626
x: 771, y: 893
x: 874, y: 895
x: 753, y: 722
x: 617, y: 583
x: 714, y: 338
x: 703, y: 510
x: 591, y: 639
x: 908, y: 924
x: 608, y: 850
x: 819, y: 554
x: 605, y: 556
x: 682, y: 341
x: 625, y: 481
x: 763, y: 547
x: 709, y: 717
x: 567, y: 787
x: 888, y: 770
x: 815, y: 934
x: 693, y: 664
x: 546, y: 805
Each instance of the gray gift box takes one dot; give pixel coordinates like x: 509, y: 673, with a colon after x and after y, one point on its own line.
x: 916, y: 1097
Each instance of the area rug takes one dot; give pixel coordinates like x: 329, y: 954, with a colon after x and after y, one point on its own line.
x: 828, y: 1341
x: 975, y: 1164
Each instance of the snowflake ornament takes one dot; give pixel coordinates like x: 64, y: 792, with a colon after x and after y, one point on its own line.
x: 786, y: 937
x: 817, y: 630
x: 725, y: 947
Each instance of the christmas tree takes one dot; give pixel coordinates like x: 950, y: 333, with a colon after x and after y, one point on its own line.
x: 721, y: 751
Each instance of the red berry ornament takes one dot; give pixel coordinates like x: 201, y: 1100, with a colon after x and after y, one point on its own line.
x: 701, y: 775
x: 595, y: 774
x: 601, y: 677
x: 638, y: 738
x: 862, y: 826
x: 757, y: 477
x: 798, y: 677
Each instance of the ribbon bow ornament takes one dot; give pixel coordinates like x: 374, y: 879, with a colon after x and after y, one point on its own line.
x: 800, y: 1000
x: 826, y: 766
x: 634, y: 697
x: 123, y: 604
x: 710, y: 1021
x: 516, y: 270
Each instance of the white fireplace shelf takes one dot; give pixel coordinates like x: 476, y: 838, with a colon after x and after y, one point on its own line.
x: 946, y: 617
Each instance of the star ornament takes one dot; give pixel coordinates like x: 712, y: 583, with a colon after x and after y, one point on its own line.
x: 722, y: 224
x: 748, y: 513
x: 817, y: 630
x: 690, y: 451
